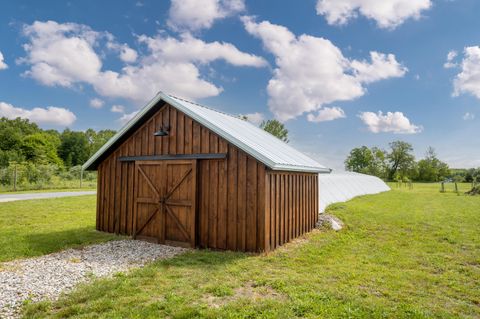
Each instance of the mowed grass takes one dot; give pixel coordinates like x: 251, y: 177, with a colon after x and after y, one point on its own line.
x: 403, y: 254
x: 37, y: 227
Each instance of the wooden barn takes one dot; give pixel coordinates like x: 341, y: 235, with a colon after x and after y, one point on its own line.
x: 183, y: 174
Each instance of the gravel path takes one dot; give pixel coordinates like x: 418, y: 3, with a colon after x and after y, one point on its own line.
x: 47, y: 276
x: 24, y: 196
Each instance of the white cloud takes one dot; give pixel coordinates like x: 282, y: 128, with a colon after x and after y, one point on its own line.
x: 387, y: 14
x: 50, y: 115
x: 96, y: 103
x: 128, y: 54
x: 201, y: 14
x: 326, y: 114
x: 468, y: 116
x: 255, y: 118
x: 61, y: 54
x: 312, y: 72
x: 125, y: 118
x: 64, y: 55
x: 391, y: 122
x: 3, y: 65
x: 383, y: 66
x: 468, y: 80
x: 118, y: 109
x: 450, y: 56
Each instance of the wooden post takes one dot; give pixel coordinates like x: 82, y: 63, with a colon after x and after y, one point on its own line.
x: 456, y: 188
x: 81, y: 177
x: 15, y: 178
x: 443, y: 187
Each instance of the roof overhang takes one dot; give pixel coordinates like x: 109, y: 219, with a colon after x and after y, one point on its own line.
x: 93, y: 162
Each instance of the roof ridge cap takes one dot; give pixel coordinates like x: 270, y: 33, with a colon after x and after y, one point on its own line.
x: 204, y: 106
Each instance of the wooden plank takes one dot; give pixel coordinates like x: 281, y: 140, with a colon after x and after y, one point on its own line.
x: 188, y: 135
x: 261, y: 211
x: 282, y: 209
x: 213, y: 207
x: 222, y: 221
x: 205, y: 200
x: 180, y: 133
x: 158, y: 122
x: 242, y: 197
x: 123, y: 194
x: 172, y: 136
x: 166, y: 123
x: 117, y: 194
x: 196, y: 147
x: 278, y: 209
x: 251, y: 204
x: 100, y: 192
x: 172, y: 157
x: 273, y: 211
x: 205, y: 140
x: 232, y: 198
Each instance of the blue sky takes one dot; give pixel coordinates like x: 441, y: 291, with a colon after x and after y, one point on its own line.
x: 340, y: 74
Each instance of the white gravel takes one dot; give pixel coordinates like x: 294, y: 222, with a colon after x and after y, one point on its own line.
x: 46, y: 277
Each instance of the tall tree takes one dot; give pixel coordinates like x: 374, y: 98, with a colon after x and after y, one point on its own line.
x: 431, y: 169
x: 400, y: 158
x: 359, y: 159
x: 74, y: 148
x: 276, y: 128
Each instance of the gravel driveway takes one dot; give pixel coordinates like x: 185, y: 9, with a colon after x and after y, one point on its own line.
x: 48, y: 276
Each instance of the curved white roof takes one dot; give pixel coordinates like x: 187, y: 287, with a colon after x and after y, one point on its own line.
x: 343, y: 186
x: 254, y: 141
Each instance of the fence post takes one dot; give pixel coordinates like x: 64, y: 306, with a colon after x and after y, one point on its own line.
x: 81, y: 177
x: 15, y: 178
x: 443, y: 187
x: 456, y: 188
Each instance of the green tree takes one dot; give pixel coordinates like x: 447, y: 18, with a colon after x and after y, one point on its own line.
x: 431, y: 169
x: 40, y: 148
x: 366, y: 161
x: 276, y: 128
x: 359, y: 160
x: 97, y: 139
x: 74, y: 148
x: 401, y: 160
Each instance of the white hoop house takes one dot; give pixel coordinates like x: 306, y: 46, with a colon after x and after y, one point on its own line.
x: 342, y: 186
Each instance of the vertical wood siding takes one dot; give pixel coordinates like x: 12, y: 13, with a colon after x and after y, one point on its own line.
x: 230, y: 193
x: 291, y: 206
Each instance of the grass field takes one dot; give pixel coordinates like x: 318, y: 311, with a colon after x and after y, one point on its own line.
x: 37, y: 227
x: 403, y: 254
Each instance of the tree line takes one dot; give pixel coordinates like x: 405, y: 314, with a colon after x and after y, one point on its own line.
x: 32, y: 155
x: 398, y: 163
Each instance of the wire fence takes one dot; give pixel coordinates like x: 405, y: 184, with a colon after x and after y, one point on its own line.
x: 27, y: 176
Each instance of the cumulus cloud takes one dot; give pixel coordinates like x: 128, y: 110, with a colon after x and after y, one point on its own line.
x: 3, y: 65
x: 118, y: 109
x: 450, y: 56
x: 255, y: 118
x: 388, y: 14
x: 50, y: 115
x: 468, y: 80
x: 125, y: 118
x: 391, y: 122
x: 468, y: 116
x: 96, y: 103
x: 201, y: 14
x: 326, y: 114
x: 312, y: 72
x: 65, y: 54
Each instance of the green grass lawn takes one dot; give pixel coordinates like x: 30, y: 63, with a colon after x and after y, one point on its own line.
x: 37, y: 227
x: 403, y: 254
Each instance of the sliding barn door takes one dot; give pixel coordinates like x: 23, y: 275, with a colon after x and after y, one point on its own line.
x: 165, y: 197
